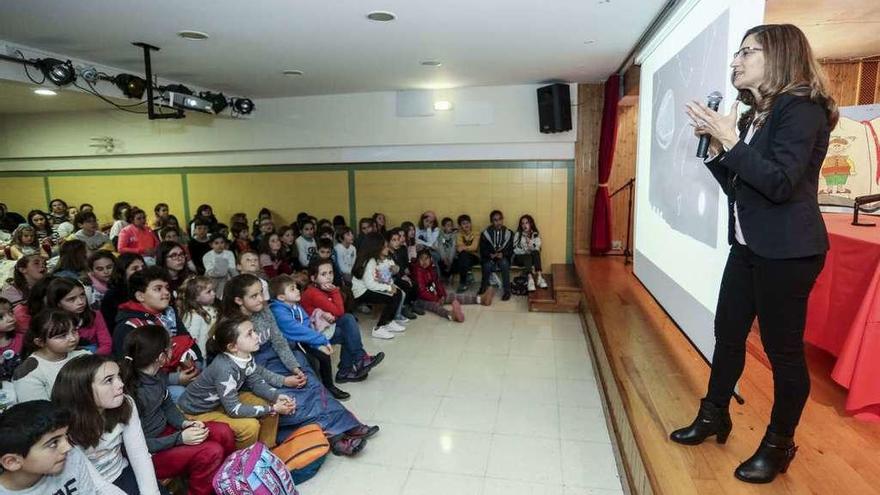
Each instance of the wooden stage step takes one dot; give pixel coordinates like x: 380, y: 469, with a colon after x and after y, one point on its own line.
x: 651, y: 380
x: 563, y: 292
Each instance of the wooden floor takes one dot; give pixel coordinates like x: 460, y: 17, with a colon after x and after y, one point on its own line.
x: 660, y: 379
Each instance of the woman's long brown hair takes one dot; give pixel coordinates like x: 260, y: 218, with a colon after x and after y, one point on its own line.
x: 789, y: 67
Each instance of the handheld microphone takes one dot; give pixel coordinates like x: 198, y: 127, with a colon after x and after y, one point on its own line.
x: 712, y: 101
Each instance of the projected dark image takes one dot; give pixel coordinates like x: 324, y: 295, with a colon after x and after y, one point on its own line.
x: 681, y: 189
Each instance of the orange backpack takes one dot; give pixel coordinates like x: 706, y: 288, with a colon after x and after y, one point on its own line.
x: 303, y: 451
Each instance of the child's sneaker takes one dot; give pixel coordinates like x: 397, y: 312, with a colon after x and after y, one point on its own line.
x: 363, y: 431
x: 403, y: 320
x: 351, y: 375
x: 415, y: 308
x: 395, y: 326
x: 531, y: 284
x: 408, y: 313
x: 346, y: 445
x: 382, y: 333
x: 462, y: 288
x: 369, y: 362
x: 487, y: 295
x: 541, y: 282
x: 457, y: 313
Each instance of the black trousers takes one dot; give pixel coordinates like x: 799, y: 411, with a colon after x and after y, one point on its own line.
x: 464, y: 262
x: 391, y: 304
x: 776, y: 291
x: 529, y: 262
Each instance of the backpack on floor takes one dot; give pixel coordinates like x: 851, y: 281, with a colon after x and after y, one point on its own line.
x: 519, y: 286
x: 303, y: 452
x: 253, y: 471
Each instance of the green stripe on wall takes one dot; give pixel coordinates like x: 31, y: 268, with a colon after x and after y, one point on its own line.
x: 47, y: 190
x: 352, y: 201
x: 184, y: 185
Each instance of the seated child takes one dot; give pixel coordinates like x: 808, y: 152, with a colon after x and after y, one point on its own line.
x: 496, y: 249
x: 467, y: 247
x: 105, y: 423
x: 219, y: 262
x: 89, y: 233
x: 249, y: 263
x: 195, y: 305
x: 345, y: 253
x: 445, y: 247
x: 306, y: 247
x: 527, y: 251
x: 100, y: 272
x: 150, y: 305
x: 50, y: 344
x: 318, y: 335
x: 432, y: 294
x: 36, y: 456
x: 10, y: 340
x: 178, y: 446
x: 216, y: 394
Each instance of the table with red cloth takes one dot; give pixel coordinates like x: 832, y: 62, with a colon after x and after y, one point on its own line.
x: 843, y: 316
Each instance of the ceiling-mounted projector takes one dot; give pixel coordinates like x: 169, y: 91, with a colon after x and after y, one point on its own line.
x: 183, y: 101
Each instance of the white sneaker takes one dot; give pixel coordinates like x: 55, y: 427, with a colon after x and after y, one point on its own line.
x: 382, y: 333
x: 531, y: 284
x: 403, y: 320
x: 541, y: 282
x: 395, y: 327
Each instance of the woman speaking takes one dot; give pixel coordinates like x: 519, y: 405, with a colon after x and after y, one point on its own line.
x: 768, y: 166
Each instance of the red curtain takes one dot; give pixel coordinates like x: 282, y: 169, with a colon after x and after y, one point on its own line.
x: 600, y: 239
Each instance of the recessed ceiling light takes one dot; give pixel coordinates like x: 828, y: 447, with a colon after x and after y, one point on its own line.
x: 381, y: 16
x: 45, y: 92
x: 193, y: 35
x: 442, y: 105
x: 431, y: 63
x: 292, y: 72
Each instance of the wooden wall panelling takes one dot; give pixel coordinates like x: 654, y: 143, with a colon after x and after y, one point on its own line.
x: 623, y: 169
x: 843, y: 82
x: 590, y: 101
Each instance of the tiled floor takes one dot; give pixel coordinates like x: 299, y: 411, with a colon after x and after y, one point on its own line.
x: 504, y: 403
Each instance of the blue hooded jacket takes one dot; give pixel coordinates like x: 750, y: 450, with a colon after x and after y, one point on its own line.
x: 295, y: 325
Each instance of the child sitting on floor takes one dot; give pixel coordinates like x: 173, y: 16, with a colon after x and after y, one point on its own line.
x: 432, y: 294
x: 216, y: 394
x: 249, y: 263
x: 36, y: 456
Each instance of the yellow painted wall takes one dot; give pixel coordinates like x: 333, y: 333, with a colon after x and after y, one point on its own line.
x: 404, y: 194
x: 321, y: 193
x: 102, y: 191
x: 22, y: 194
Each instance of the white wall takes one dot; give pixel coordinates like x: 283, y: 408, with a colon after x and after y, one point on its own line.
x: 316, y: 129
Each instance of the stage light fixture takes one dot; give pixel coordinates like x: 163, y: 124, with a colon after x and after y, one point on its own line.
x: 131, y: 86
x: 243, y: 106
x: 60, y: 73
x: 218, y: 101
x: 178, y: 88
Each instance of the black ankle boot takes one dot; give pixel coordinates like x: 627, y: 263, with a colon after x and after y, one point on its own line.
x: 711, y: 420
x: 773, y: 456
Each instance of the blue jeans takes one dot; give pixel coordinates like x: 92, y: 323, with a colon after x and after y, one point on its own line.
x: 495, y: 265
x: 348, y: 336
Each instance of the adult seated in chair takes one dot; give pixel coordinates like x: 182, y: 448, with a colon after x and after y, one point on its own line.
x: 496, y: 250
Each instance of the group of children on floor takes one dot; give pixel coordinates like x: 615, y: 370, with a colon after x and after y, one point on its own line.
x: 159, y: 360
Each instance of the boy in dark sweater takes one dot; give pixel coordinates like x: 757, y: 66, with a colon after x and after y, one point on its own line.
x: 199, y: 244
x: 496, y: 250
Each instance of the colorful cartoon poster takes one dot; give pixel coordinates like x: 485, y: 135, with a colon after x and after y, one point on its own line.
x: 850, y: 168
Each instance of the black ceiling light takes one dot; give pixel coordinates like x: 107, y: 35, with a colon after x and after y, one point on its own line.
x: 243, y: 106
x: 178, y: 88
x: 131, y: 86
x: 60, y: 73
x: 218, y: 101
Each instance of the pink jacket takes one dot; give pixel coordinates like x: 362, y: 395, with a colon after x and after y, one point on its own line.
x: 138, y: 241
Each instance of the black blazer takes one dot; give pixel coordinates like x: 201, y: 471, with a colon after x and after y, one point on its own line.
x: 774, y: 181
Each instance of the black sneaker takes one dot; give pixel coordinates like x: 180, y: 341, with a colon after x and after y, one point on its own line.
x: 363, y: 431
x: 353, y: 375
x: 408, y: 313
x: 369, y: 362
x: 417, y: 310
x: 505, y: 296
x: 338, y: 394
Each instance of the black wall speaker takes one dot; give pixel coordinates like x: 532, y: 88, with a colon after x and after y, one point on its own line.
x: 554, y: 108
